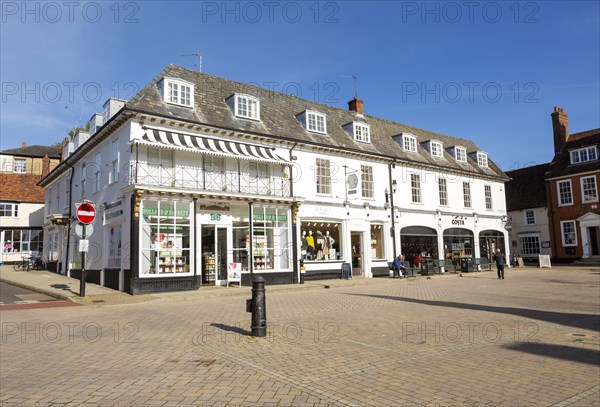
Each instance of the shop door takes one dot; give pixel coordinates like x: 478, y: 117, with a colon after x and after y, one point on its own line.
x: 357, y: 254
x: 221, y: 262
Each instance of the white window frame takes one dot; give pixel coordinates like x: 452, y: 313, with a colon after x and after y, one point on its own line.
x: 467, y: 201
x: 20, y: 165
x: 415, y: 188
x: 571, y: 242
x: 323, y: 176
x: 313, y: 120
x: 14, y: 209
x: 530, y: 220
x: 366, y: 177
x: 584, y: 198
x: 443, y: 191
x: 489, y: 204
x: 409, y: 143
x: 591, y: 154
x: 178, y: 92
x: 482, y: 159
x: 97, y: 172
x: 114, y: 162
x: 437, y: 149
x: 83, y: 175
x: 536, y: 241
x: 460, y: 154
x: 243, y: 106
x: 361, y: 132
x: 114, y: 252
x: 559, y: 195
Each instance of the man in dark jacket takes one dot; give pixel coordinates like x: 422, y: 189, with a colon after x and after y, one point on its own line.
x: 500, y: 262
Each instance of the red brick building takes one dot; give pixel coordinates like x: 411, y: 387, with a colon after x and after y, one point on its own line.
x: 572, y: 191
x: 21, y: 200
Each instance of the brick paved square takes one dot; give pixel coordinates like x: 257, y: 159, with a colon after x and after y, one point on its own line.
x: 530, y: 340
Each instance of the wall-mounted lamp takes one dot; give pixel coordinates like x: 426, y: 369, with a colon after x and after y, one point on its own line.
x: 394, y: 186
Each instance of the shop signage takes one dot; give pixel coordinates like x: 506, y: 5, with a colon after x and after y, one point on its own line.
x: 545, y: 245
x: 182, y: 213
x: 215, y: 216
x: 269, y: 217
x: 458, y: 221
x: 234, y: 273
x: 114, y: 214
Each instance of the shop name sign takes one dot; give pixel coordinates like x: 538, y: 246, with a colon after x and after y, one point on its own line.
x: 166, y: 212
x: 458, y: 221
x: 269, y: 217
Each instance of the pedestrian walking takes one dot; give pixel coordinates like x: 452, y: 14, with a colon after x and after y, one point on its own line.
x: 500, y: 263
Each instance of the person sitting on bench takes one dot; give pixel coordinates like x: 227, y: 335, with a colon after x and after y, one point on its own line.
x: 399, y: 266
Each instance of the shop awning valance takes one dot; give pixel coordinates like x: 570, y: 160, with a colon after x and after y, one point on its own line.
x: 209, y: 145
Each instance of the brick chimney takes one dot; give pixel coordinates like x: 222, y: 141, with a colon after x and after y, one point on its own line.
x: 23, y: 144
x: 560, y: 127
x: 45, y: 166
x: 356, y: 105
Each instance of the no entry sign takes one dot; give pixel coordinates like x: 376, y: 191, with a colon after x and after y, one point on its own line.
x: 86, y: 213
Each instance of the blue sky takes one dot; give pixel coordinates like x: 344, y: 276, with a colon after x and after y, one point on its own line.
x: 489, y: 71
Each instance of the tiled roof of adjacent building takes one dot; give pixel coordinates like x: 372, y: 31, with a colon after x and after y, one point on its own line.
x: 527, y: 188
x: 278, y: 119
x: 34, y: 151
x: 561, y: 164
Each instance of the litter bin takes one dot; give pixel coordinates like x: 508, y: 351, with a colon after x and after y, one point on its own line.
x: 464, y: 265
x: 346, y: 271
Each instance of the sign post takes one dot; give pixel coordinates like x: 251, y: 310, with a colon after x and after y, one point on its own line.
x: 86, y: 213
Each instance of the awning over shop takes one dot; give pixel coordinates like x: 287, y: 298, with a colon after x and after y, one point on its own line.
x: 209, y: 145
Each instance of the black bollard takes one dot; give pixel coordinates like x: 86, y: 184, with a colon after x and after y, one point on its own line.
x: 259, y: 311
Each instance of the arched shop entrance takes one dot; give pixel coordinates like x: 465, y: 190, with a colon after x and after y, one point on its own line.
x: 418, y: 242
x: 458, y: 243
x: 489, y: 241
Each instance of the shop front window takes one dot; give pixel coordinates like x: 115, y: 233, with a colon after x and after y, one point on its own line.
x: 165, y: 238
x: 489, y: 242
x: 114, y: 246
x: 377, y: 251
x: 320, y: 241
x: 270, y: 238
x: 23, y: 241
x: 419, y: 243
x: 458, y: 243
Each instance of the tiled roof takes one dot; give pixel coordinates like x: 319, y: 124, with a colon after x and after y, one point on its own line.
x: 561, y: 164
x: 527, y: 188
x: 34, y: 151
x: 278, y: 114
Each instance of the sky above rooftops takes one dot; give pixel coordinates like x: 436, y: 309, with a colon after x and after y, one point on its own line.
x: 488, y: 71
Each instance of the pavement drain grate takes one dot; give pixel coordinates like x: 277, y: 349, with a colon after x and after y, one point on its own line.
x: 97, y: 301
x: 578, y: 334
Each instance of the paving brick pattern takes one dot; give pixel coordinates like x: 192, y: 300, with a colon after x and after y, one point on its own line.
x: 530, y: 340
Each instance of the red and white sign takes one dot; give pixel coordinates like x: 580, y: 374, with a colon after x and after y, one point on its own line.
x: 86, y: 213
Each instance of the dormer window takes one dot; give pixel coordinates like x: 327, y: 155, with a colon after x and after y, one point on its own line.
x: 247, y: 106
x: 362, y: 132
x: 409, y: 143
x: 177, y: 92
x: 584, y: 155
x: 460, y: 154
x: 437, y: 149
x: 315, y: 122
x: 482, y: 159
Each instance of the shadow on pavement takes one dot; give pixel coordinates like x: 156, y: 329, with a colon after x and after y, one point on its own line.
x: 582, y: 321
x: 589, y: 356
x: 236, y: 329
x: 63, y: 287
